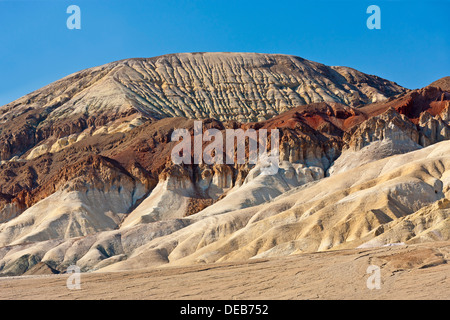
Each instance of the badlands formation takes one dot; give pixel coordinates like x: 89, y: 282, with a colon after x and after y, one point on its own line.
x: 86, y: 176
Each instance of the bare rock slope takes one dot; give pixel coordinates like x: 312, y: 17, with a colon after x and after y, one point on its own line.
x: 86, y: 176
x: 225, y: 86
x: 399, y: 199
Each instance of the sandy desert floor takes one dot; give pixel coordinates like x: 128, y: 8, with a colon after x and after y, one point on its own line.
x: 407, y: 272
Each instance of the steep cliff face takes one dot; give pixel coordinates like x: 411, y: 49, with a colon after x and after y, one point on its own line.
x: 416, y: 120
x: 427, y: 109
x: 389, y: 125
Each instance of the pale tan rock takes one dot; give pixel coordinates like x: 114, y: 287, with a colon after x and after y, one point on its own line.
x: 399, y: 199
x: 224, y: 86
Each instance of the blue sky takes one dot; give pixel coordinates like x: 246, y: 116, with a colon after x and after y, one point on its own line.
x: 36, y: 48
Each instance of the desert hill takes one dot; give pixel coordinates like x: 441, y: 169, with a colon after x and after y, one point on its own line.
x: 86, y: 176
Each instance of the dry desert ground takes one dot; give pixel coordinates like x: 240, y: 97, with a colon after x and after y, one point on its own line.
x: 407, y: 272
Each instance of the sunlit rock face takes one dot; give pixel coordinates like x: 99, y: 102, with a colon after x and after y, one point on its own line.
x: 86, y: 175
x: 225, y: 86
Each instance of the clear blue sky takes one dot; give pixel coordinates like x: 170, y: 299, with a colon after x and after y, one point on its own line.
x: 36, y: 48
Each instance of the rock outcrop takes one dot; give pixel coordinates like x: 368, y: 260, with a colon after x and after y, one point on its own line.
x: 403, y: 198
x: 86, y: 175
x: 225, y: 86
